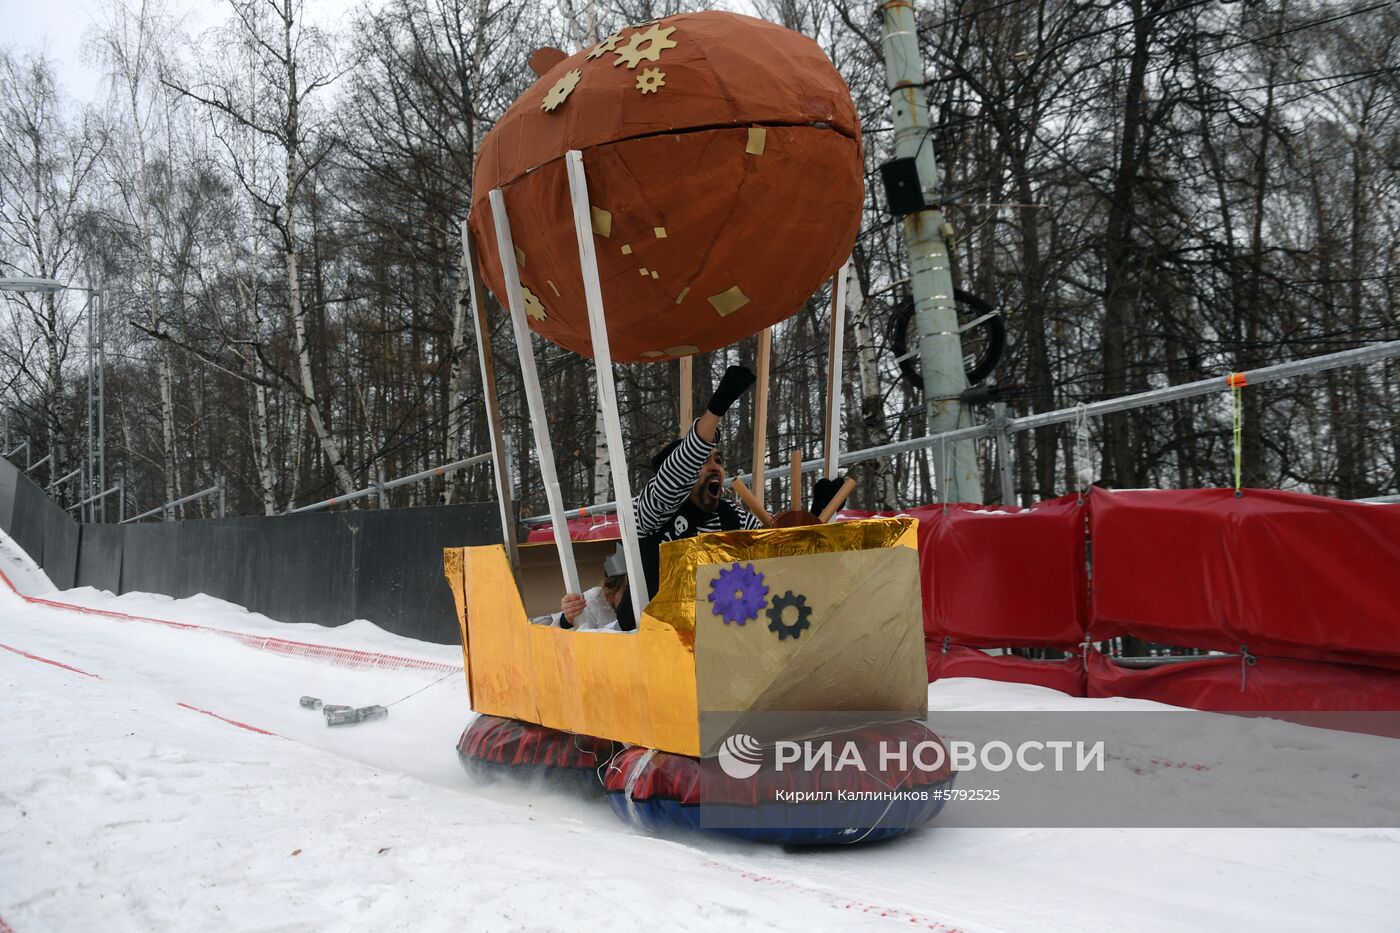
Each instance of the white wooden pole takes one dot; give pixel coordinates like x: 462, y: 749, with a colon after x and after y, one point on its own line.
x: 499, y: 461
x: 505, y: 247
x: 760, y: 413
x: 834, y: 383
x: 602, y: 357
x: 687, y: 368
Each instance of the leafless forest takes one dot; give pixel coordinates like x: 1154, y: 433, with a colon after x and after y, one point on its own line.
x: 1153, y: 191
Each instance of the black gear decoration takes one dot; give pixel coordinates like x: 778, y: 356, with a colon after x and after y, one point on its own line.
x: 775, y: 615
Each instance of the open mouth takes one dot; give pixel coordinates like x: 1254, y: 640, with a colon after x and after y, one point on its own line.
x: 713, y: 486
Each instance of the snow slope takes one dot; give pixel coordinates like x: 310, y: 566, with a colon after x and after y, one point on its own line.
x: 166, y: 778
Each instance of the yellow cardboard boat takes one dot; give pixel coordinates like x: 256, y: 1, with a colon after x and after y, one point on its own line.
x: 814, y: 618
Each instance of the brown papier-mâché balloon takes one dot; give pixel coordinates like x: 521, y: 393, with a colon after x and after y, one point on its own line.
x: 725, y: 182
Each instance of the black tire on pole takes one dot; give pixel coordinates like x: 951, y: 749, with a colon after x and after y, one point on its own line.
x: 983, y: 344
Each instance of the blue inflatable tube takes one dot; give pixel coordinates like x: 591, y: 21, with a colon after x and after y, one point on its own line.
x: 660, y: 792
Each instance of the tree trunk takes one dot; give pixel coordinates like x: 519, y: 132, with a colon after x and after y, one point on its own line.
x: 881, y: 491
x: 1120, y: 290
x: 328, y: 443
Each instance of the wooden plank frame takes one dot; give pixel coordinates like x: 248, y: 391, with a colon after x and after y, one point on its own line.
x: 505, y: 247
x: 482, y: 328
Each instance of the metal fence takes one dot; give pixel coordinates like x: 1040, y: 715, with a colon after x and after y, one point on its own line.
x: 1001, y: 428
x: 382, y: 487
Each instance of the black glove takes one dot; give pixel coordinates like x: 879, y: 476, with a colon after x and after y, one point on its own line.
x: 822, y: 494
x: 736, y: 381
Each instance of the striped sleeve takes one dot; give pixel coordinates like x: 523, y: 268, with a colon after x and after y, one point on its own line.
x: 665, y: 492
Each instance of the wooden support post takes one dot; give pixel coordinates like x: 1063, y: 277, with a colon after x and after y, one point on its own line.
x: 607, y: 391
x: 753, y: 504
x: 760, y: 413
x: 687, y: 364
x: 834, y: 384
x: 499, y: 463
x: 837, y: 500
x: 505, y: 248
x: 796, y: 482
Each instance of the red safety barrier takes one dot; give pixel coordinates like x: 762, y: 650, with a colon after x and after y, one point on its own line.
x: 1281, y: 574
x: 50, y: 661
x: 997, y: 577
x: 344, y: 657
x: 1066, y: 676
x: 583, y: 528
x: 1233, y: 684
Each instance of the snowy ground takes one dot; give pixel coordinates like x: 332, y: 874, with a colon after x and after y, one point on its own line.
x: 129, y: 801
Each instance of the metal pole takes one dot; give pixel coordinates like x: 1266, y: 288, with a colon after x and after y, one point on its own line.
x: 500, y: 446
x: 166, y: 509
x: 62, y: 479
x: 101, y: 395
x: 931, y: 281
x: 91, y: 486
x: 505, y: 248
x: 607, y: 391
x: 1003, y: 439
x: 121, y: 501
x: 391, y: 484
x: 223, y: 497
x: 46, y: 458
x: 101, y: 495
x: 1317, y: 364
x: 379, y: 486
x: 832, y: 449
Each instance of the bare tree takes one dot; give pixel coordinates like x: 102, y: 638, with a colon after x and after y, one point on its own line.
x: 293, y: 63
x: 47, y: 160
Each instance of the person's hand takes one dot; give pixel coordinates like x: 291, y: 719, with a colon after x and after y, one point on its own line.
x: 572, y: 605
x: 734, y: 383
x: 825, y: 489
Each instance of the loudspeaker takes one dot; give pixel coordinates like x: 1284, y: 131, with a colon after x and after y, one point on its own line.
x: 903, y: 192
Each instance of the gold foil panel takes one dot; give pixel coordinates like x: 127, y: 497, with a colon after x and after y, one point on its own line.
x: 642, y: 687
x: 674, y: 603
x: 857, y: 644
x: 602, y: 221
x: 727, y: 302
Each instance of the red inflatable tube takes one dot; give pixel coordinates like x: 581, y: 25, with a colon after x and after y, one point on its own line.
x: 1066, y: 676
x: 1284, y: 574
x: 494, y: 746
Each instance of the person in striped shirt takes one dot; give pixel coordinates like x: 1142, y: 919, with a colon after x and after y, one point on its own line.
x: 684, y: 499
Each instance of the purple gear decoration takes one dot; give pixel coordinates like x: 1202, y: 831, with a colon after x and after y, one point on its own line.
x: 738, y: 594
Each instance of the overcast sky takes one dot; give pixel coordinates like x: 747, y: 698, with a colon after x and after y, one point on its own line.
x: 60, y: 26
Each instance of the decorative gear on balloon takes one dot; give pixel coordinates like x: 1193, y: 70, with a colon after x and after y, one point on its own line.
x: 738, y: 594
x: 533, y: 306
x: 645, y: 46
x: 607, y: 45
x: 775, y: 615
x: 651, y: 80
x: 561, y: 90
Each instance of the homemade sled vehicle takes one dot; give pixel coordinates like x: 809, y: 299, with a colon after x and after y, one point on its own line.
x: 683, y: 185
